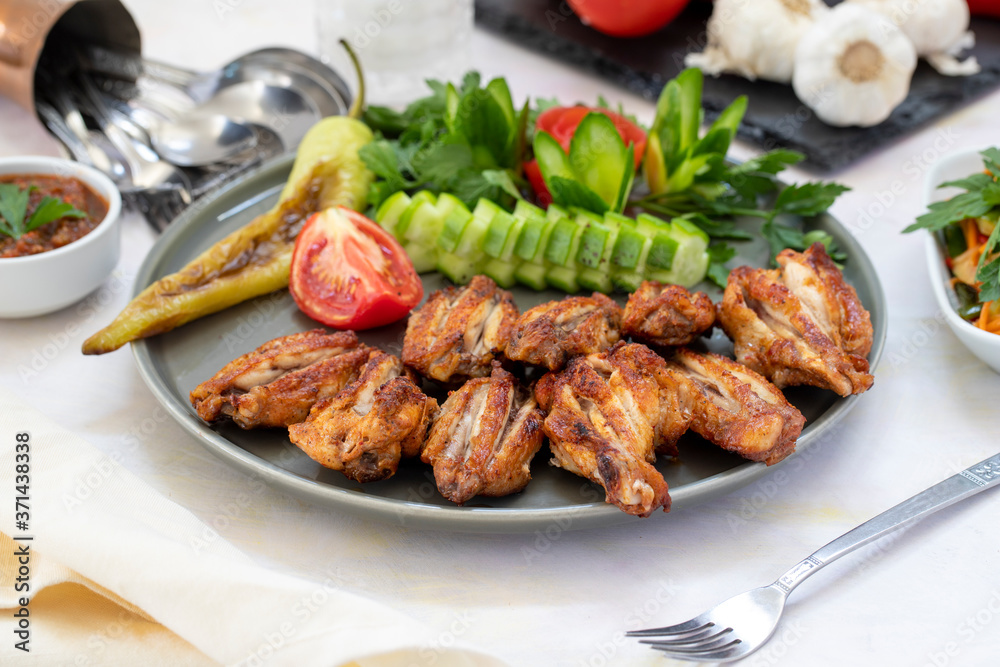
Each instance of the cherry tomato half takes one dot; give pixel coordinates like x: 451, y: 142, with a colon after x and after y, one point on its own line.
x: 561, y: 123
x: 627, y: 18
x: 349, y: 273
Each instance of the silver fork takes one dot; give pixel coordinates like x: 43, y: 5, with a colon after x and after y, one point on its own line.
x: 742, y: 624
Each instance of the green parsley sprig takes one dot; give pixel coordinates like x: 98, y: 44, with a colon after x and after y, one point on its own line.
x: 14, y: 207
x: 981, y: 197
x: 467, y: 140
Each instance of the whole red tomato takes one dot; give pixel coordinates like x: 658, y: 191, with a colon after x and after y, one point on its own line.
x: 561, y: 123
x: 983, y: 7
x: 627, y: 18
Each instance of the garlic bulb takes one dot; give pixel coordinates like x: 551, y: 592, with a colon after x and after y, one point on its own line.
x: 939, y: 30
x: 755, y: 38
x: 853, y: 67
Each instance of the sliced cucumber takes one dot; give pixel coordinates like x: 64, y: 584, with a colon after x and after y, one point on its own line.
x: 446, y: 202
x: 391, y: 210
x: 552, y: 159
x: 598, y: 156
x: 627, y: 281
x: 567, y: 249
x: 471, y: 243
x: 419, y: 199
x: 650, y: 224
x: 555, y: 212
x: 628, y: 248
x: 564, y: 236
x: 424, y: 257
x: 497, y: 234
x: 663, y: 250
x: 453, y: 227
x: 562, y: 277
x: 503, y: 273
x: 595, y: 281
x: 507, y: 254
x: 690, y: 262
x: 530, y: 240
x: 617, y: 218
x: 423, y: 226
x: 532, y: 275
x: 458, y: 270
x: 592, y: 242
x: 604, y: 265
x: 486, y: 209
x: 523, y: 209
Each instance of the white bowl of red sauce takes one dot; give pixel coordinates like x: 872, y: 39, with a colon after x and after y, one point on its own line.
x: 67, y: 258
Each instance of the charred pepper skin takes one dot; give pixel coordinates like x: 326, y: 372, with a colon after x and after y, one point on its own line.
x: 255, y: 259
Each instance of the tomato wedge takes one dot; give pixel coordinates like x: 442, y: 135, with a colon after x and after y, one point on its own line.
x: 349, y: 273
x: 561, y: 123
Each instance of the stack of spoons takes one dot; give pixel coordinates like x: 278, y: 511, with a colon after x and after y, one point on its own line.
x: 168, y: 135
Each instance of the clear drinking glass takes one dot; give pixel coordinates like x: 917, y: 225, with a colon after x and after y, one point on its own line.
x: 400, y: 43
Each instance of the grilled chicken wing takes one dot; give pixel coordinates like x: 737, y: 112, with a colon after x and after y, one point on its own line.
x: 457, y: 333
x: 733, y: 407
x: 799, y: 324
x: 484, y: 438
x: 365, y: 429
x: 667, y: 314
x: 551, y: 333
x: 277, y: 384
x: 605, y: 419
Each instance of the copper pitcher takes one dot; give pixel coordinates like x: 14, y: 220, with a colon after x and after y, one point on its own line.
x: 27, y: 26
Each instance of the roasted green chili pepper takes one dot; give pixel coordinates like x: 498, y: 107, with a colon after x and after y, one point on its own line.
x: 255, y: 259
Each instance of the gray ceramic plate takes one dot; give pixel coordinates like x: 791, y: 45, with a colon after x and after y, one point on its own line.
x: 174, y: 363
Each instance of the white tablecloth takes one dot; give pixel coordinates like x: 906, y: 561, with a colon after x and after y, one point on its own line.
x: 928, y: 596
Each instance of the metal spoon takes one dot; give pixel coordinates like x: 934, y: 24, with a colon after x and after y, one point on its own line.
x: 201, y: 138
x: 284, y: 111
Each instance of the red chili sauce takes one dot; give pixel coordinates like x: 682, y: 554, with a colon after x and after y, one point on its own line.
x: 57, y: 233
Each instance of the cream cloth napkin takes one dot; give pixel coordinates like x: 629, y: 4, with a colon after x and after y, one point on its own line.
x: 118, y: 575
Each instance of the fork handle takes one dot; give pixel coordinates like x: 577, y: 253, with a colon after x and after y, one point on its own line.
x: 958, y: 487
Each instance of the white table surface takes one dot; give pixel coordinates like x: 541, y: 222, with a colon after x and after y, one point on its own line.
x: 927, y: 596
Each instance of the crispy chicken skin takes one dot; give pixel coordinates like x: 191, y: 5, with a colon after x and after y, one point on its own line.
x: 604, y: 421
x: 484, y: 438
x: 799, y: 324
x: 365, y: 429
x: 277, y: 384
x: 660, y: 314
x: 551, y: 333
x: 734, y: 407
x: 457, y: 333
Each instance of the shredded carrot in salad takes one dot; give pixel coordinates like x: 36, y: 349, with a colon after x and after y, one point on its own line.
x: 964, y: 270
x: 971, y: 231
x: 989, y: 318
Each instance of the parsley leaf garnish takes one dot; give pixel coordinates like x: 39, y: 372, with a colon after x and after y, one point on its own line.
x: 448, y: 141
x: 981, y: 196
x: 718, y: 255
x: 988, y: 271
x: 14, y: 207
x: 807, y: 199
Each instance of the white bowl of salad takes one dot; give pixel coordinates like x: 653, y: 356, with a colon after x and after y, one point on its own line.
x: 963, y: 247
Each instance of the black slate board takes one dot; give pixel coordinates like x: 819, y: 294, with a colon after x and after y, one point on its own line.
x: 775, y: 117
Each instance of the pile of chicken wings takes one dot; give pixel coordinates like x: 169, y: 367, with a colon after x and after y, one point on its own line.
x: 607, y: 406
